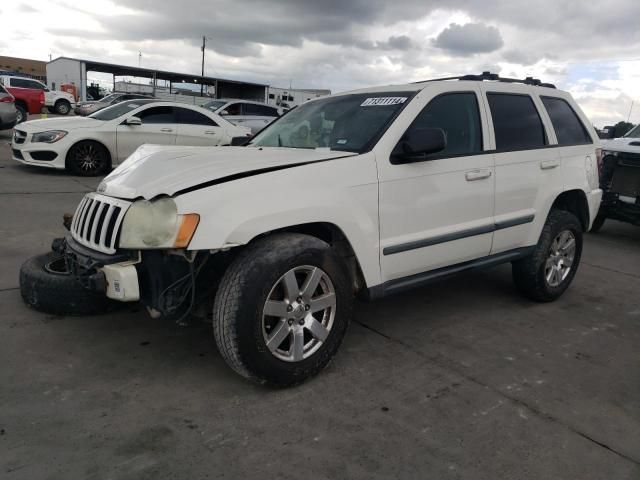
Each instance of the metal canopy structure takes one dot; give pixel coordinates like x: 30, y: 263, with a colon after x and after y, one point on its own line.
x: 224, y: 88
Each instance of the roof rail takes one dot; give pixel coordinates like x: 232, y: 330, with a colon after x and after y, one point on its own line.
x: 495, y: 77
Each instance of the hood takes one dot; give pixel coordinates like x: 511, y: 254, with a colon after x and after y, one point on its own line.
x: 622, y: 144
x: 58, y: 123
x: 154, y: 170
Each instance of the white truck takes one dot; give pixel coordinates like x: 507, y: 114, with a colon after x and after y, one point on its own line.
x: 56, y: 101
x: 368, y: 192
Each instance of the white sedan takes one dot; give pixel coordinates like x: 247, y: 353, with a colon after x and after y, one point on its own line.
x: 92, y: 145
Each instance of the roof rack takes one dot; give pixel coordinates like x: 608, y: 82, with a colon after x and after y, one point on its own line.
x: 495, y: 77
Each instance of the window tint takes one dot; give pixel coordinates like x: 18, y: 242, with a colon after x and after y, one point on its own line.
x: 568, y: 127
x: 516, y: 122
x: 191, y: 117
x: 262, y: 110
x: 157, y: 115
x: 234, y: 109
x: 458, y: 115
x: 25, y: 83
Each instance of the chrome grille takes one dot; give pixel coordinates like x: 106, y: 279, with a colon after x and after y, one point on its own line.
x: 19, y: 136
x: 97, y: 220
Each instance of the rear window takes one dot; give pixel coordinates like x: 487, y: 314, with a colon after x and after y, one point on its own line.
x: 261, y: 110
x: 516, y: 122
x: 568, y: 127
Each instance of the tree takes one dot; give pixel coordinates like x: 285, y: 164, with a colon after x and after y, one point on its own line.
x: 620, y: 128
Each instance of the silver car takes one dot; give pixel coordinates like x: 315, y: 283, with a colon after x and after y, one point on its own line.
x: 8, y: 112
x: 244, y: 113
x: 92, y: 106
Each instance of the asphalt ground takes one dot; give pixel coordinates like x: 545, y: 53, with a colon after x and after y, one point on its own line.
x: 462, y: 379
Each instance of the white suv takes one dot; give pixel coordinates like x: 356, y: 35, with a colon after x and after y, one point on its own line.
x: 372, y: 191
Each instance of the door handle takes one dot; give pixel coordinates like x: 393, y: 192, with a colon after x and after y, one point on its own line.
x: 169, y: 130
x: 209, y: 132
x: 474, y: 175
x: 549, y: 164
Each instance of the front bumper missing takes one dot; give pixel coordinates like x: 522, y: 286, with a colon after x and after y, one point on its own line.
x: 114, y: 275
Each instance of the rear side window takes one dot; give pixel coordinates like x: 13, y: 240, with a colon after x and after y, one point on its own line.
x: 566, y: 123
x: 516, y: 122
x: 157, y: 115
x: 458, y: 115
x: 261, y: 110
x: 191, y: 117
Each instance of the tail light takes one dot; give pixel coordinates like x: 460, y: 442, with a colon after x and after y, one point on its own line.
x: 6, y: 98
x: 599, y: 157
x: 42, y: 97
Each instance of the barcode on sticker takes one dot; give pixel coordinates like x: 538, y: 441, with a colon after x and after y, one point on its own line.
x: 382, y: 101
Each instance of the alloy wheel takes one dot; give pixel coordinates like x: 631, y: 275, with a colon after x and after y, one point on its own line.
x: 299, y: 313
x: 561, y: 256
x: 88, y: 158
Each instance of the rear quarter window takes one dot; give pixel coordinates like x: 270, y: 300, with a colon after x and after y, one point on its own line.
x: 568, y: 127
x: 516, y: 122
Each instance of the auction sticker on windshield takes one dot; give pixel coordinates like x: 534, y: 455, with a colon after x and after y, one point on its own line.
x: 382, y: 101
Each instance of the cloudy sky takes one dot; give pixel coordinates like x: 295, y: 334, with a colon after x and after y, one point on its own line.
x: 588, y: 47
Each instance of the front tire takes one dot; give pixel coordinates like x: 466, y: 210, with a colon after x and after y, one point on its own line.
x: 548, y: 271
x: 62, y: 107
x: 282, y: 309
x: 88, y: 159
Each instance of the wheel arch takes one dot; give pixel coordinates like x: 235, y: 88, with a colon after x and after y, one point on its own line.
x: 574, y: 201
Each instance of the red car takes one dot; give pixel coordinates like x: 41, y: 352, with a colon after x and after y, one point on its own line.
x: 28, y: 99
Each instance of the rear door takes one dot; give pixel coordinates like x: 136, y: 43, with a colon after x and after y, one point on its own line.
x: 159, y: 127
x: 526, y: 164
x: 195, y: 128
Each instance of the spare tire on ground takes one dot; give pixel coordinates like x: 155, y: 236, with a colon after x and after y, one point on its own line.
x: 48, y: 286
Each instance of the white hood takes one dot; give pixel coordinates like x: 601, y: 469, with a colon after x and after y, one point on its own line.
x: 154, y: 170
x: 622, y: 144
x: 66, y: 123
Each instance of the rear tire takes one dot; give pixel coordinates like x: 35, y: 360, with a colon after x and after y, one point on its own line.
x: 302, y: 335
x: 47, y: 286
x: 62, y: 107
x: 22, y: 114
x: 548, y: 271
x: 88, y: 159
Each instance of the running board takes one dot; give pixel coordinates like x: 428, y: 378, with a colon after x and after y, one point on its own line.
x: 407, y: 283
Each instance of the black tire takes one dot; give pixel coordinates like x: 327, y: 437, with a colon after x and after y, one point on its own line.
x: 529, y: 273
x: 22, y: 114
x: 47, y: 286
x: 598, y: 222
x: 244, y: 289
x: 51, y: 110
x: 88, y: 159
x: 62, y: 107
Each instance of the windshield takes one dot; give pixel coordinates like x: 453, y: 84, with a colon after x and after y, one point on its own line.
x: 346, y: 122
x: 634, y: 132
x: 214, y: 104
x: 108, y: 98
x: 118, y: 110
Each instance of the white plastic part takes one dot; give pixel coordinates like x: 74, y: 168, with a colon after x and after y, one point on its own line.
x: 122, y: 282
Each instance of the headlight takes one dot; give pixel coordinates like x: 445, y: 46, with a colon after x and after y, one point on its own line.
x: 157, y: 224
x: 48, y: 137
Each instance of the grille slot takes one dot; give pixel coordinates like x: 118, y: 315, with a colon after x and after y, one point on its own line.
x: 97, y: 220
x: 19, y: 136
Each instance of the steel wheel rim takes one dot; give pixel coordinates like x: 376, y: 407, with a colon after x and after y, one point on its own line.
x: 88, y: 157
x: 561, y: 257
x: 299, y: 313
x: 62, y: 108
x: 20, y: 117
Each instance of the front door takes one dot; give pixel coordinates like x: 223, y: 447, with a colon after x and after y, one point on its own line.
x: 195, y: 128
x: 158, y: 127
x: 439, y: 211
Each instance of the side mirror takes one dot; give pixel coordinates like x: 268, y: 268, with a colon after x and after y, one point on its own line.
x: 416, y: 144
x: 239, y: 141
x: 133, y: 121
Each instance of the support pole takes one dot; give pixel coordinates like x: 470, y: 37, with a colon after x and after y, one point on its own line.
x: 202, y: 75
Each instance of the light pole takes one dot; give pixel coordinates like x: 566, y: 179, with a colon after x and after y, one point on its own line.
x: 204, y: 40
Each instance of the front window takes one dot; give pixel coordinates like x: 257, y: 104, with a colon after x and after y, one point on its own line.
x: 634, y: 132
x: 118, y: 110
x: 351, y: 123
